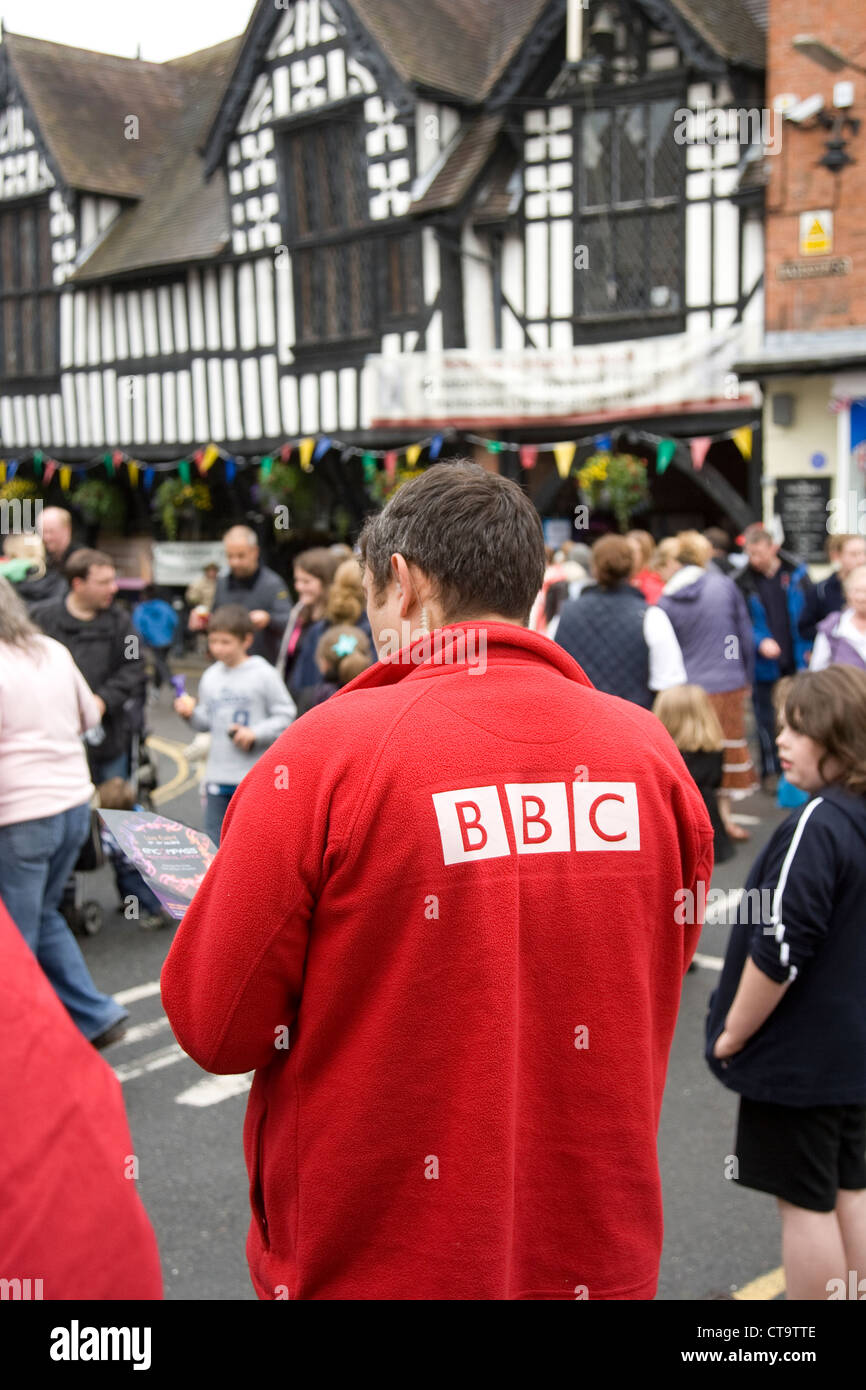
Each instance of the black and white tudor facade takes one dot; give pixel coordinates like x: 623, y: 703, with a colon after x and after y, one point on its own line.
x: 367, y: 218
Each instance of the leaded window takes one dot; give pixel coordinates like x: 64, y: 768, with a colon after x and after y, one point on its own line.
x: 354, y: 277
x: 28, y: 299
x: 629, y: 176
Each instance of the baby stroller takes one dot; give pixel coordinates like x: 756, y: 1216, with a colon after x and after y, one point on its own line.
x: 85, y: 916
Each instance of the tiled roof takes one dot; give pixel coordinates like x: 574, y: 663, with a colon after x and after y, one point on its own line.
x: 457, y: 47
x: 181, y: 217
x: 81, y: 101
x: 732, y: 28
x: 461, y: 165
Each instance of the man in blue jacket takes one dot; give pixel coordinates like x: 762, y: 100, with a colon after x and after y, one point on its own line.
x: 776, y: 592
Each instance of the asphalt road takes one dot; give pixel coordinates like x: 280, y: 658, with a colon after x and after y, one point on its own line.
x: 187, y: 1125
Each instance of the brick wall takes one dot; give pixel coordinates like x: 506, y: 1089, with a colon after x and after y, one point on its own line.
x: 798, y: 185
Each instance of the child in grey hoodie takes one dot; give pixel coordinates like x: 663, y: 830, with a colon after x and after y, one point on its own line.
x: 244, y: 705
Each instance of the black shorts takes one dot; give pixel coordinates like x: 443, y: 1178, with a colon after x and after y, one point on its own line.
x: 802, y: 1154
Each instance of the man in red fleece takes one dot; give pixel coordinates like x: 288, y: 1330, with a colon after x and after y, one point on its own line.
x: 441, y: 927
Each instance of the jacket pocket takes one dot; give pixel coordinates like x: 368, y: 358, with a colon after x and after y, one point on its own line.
x: 257, y: 1197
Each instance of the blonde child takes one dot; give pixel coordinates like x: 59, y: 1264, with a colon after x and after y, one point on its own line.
x: 693, y: 725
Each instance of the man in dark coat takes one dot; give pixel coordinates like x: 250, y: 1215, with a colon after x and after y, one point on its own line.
x: 105, y: 648
x: 255, y: 587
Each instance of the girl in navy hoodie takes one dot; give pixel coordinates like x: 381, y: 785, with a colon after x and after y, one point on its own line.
x: 787, y: 1024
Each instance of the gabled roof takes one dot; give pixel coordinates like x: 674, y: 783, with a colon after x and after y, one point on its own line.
x: 460, y: 164
x: 735, y: 29
x: 181, y: 217
x: 80, y: 101
x: 456, y: 47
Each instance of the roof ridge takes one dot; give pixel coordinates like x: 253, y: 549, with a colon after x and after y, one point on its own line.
x: 91, y: 52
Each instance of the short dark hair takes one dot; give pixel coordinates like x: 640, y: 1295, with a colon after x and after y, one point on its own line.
x: 232, y: 618
x: 474, y: 534
x: 81, y: 562
x: 612, y: 561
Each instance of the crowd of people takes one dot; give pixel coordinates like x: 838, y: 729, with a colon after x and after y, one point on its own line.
x: 649, y: 663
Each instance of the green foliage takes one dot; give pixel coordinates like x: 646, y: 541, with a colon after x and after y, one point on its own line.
x: 615, y: 480
x: 100, y: 503
x: 174, y: 499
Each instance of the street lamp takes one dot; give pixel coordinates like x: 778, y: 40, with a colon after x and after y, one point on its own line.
x: 824, y: 53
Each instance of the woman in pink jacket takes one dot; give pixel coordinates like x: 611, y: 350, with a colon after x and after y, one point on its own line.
x: 45, y: 790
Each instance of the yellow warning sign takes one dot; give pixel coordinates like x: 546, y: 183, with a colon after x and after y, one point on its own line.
x: 816, y: 233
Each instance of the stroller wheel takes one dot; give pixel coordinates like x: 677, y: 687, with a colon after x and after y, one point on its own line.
x: 91, y: 918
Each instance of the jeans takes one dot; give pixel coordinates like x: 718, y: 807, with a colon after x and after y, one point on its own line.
x: 36, y: 859
x: 215, y: 808
x: 765, y: 720
x: 104, y: 770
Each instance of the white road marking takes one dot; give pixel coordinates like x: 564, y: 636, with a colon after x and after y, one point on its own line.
x: 142, y: 1031
x: 129, y: 996
x: 151, y: 1061
x: 213, y: 1089
x: 708, y: 962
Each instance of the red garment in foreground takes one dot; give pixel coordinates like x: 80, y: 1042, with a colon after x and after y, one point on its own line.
x: 479, y: 1037
x: 69, y: 1215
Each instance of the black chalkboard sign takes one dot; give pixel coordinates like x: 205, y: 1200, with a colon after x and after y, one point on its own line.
x: 801, y: 503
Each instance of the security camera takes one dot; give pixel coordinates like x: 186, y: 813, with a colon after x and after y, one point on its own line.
x: 805, y: 110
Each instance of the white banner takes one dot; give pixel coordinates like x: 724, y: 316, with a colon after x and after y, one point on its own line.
x: 536, y: 385
x: 180, y: 562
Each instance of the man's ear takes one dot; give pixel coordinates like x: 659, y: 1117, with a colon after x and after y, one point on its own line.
x: 403, y: 579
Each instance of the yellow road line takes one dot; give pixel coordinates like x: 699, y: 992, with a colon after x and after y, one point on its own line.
x: 765, y: 1286
x: 175, y: 752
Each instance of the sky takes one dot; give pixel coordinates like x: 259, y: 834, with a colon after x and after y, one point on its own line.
x: 164, y: 28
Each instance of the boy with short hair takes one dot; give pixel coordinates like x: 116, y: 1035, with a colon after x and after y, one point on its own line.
x: 242, y: 703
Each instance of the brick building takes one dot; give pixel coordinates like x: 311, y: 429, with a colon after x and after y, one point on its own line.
x: 811, y: 360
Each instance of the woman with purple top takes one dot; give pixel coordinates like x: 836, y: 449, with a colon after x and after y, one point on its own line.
x: 712, y: 624
x: 840, y: 639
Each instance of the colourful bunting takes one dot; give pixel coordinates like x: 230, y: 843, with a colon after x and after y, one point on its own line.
x: 50, y: 469
x: 197, y: 459
x: 413, y: 453
x: 495, y: 446
x: 132, y: 472
x: 528, y: 455
x: 436, y: 447
x: 604, y: 442
x: 231, y: 470
x: 564, y: 455
x: 209, y: 458
x: 665, y: 450
x: 285, y: 453
x: 699, y: 448
x: 321, y: 449
x: 37, y: 462
x: 184, y: 471
x: 743, y: 440
x: 65, y: 478
x: 368, y: 463
x: 267, y: 467
x: 391, y: 463
x: 11, y: 469
x: 117, y: 457
x: 108, y: 460
x: 305, y: 453
x: 2, y: 470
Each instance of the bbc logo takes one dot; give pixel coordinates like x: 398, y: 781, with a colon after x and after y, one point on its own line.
x: 472, y: 823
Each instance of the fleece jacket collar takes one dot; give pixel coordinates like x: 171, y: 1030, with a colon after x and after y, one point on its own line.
x: 466, y: 646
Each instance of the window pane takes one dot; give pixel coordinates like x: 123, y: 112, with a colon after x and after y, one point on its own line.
x: 27, y: 248
x: 665, y: 260
x: 631, y: 155
x: 595, y: 290
x: 49, y: 311
x: 596, y: 159
x: 29, y: 334
x: 666, y: 156
x: 8, y: 275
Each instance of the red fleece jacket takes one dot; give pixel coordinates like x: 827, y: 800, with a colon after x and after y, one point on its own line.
x: 456, y: 888
x: 70, y: 1214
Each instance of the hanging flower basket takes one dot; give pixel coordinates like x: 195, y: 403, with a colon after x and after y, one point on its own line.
x: 177, y: 501
x: 100, y: 503
x: 381, y: 487
x: 615, y: 481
